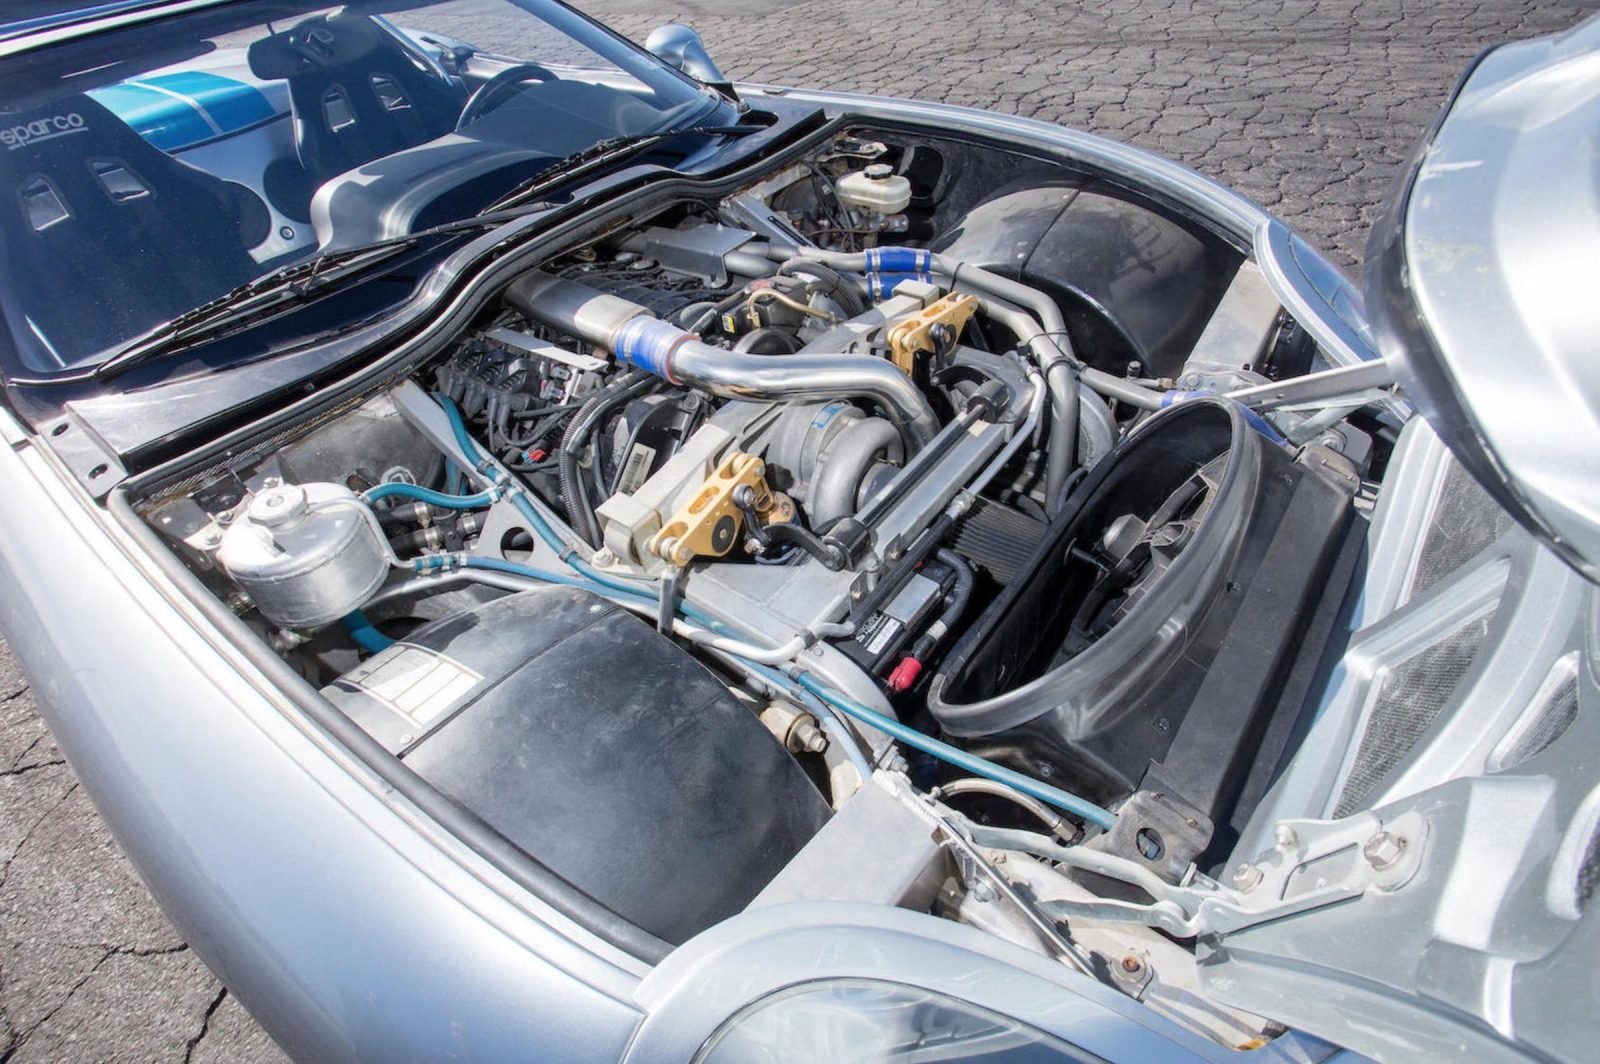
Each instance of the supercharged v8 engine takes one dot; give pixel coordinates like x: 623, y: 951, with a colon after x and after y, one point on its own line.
x: 825, y: 540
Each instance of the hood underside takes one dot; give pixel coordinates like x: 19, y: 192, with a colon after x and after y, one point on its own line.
x: 1480, y: 277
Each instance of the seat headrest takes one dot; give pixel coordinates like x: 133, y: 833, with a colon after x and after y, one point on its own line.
x: 276, y: 57
x: 318, y: 42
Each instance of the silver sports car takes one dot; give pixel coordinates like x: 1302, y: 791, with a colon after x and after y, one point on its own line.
x: 538, y: 551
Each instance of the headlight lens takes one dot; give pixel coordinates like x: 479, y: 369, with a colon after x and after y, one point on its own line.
x: 857, y: 1021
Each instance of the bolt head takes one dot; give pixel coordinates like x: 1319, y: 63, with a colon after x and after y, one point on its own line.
x: 1246, y: 877
x: 1383, y: 849
x: 1285, y: 837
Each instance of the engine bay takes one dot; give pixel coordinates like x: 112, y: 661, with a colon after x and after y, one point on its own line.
x: 890, y: 530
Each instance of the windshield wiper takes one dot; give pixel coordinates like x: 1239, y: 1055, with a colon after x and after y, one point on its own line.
x: 294, y: 283
x: 602, y: 153
x: 298, y: 281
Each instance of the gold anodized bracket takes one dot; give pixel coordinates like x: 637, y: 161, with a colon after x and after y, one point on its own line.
x: 710, y: 523
x: 914, y: 333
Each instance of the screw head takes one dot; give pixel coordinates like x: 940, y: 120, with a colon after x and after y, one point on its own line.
x: 1132, y: 965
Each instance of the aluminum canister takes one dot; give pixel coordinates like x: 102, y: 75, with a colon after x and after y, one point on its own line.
x: 306, y: 554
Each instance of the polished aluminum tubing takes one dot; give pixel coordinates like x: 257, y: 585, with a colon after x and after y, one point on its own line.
x: 682, y: 358
x: 792, y: 378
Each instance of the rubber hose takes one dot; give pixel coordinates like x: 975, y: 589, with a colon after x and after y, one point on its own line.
x: 365, y: 633
x: 960, y: 595
x: 580, y: 515
x: 429, y: 496
x: 1061, y: 455
x: 846, y: 295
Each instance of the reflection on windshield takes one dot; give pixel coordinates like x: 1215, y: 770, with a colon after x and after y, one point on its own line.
x: 239, y: 142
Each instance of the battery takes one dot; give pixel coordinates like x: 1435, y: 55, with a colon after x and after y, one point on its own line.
x: 883, y: 633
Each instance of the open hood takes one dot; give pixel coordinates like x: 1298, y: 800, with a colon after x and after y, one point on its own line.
x: 1481, y: 281
x: 1436, y: 902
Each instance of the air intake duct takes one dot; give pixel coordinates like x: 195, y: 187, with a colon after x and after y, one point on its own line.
x: 1145, y: 643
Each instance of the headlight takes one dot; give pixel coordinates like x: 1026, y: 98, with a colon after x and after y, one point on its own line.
x: 856, y: 1021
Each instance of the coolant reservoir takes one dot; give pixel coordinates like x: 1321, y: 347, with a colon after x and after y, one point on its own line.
x: 877, y: 188
x: 305, y: 554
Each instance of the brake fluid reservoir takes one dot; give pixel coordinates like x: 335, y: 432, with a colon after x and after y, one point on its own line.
x: 876, y: 188
x: 305, y: 554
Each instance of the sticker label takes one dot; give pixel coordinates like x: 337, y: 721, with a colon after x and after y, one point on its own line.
x: 636, y: 470
x: 418, y: 683
x: 878, y: 631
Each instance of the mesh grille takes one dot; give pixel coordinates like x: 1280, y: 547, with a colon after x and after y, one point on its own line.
x: 1589, y: 871
x: 1559, y: 710
x: 1411, y: 697
x: 1465, y: 521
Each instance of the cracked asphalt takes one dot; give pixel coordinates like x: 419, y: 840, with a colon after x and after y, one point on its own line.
x: 1307, y: 106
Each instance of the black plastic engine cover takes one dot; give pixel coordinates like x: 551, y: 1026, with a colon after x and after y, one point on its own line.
x: 605, y: 752
x: 1176, y: 696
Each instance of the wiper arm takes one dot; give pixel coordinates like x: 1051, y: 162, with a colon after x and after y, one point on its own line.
x: 293, y: 283
x: 601, y: 153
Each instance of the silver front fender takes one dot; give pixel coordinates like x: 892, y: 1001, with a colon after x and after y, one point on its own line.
x: 349, y: 924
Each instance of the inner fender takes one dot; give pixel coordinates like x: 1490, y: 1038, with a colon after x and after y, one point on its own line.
x: 1132, y: 283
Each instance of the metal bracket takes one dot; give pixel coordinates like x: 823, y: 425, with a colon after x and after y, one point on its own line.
x: 921, y: 330
x: 1363, y: 381
x: 708, y: 525
x: 1315, y: 863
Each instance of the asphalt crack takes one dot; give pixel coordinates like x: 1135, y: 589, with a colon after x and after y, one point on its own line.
x: 135, y: 951
x: 23, y: 769
x: 37, y: 739
x: 22, y: 1039
x: 205, y: 1025
x: 5, y: 869
x: 17, y: 1040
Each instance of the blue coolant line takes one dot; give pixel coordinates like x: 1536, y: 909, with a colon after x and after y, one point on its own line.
x: 1080, y: 807
x: 429, y: 496
x: 495, y: 565
x: 365, y: 633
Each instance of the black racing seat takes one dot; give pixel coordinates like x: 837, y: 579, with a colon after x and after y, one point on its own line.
x: 103, y: 235
x: 358, y: 93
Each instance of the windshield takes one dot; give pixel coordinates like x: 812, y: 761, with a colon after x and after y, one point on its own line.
x: 150, y: 170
